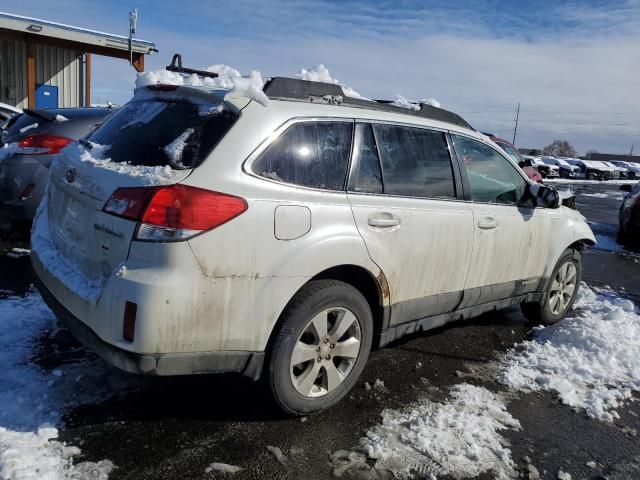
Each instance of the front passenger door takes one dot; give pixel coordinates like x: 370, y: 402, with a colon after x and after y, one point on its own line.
x: 403, y: 194
x: 511, y: 239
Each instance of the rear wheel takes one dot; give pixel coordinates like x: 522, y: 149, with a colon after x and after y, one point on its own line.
x: 592, y: 176
x: 560, y: 293
x: 321, y: 348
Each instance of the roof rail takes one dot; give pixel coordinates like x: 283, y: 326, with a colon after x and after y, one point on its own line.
x: 285, y: 88
x: 176, y: 66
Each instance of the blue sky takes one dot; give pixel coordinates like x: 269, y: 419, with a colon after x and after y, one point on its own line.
x: 573, y: 66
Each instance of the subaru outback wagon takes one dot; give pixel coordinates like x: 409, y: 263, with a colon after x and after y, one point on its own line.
x: 196, y: 233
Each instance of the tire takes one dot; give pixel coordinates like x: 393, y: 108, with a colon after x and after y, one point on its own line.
x: 323, y: 378
x: 546, y: 311
x: 592, y: 176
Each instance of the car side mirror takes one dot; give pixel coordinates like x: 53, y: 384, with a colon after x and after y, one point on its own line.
x: 545, y: 196
x: 626, y: 187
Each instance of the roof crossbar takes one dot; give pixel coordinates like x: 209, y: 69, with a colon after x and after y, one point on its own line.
x: 176, y: 66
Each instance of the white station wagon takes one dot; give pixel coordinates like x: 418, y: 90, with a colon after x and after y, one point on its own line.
x: 196, y: 233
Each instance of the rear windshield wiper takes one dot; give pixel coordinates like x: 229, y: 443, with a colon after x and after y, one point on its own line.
x: 85, y: 143
x: 42, y: 114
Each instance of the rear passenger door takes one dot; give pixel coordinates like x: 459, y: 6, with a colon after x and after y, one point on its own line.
x: 511, y: 237
x: 404, y: 197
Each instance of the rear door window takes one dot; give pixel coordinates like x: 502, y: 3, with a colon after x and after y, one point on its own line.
x: 160, y: 132
x: 309, y: 154
x: 415, y: 162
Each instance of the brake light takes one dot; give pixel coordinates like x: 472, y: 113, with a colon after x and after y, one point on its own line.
x: 175, y: 212
x: 42, y: 144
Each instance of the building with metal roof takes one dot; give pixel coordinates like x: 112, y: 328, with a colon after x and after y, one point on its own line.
x: 46, y: 64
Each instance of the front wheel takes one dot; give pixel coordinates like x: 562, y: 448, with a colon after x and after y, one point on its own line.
x: 321, y: 347
x: 560, y: 293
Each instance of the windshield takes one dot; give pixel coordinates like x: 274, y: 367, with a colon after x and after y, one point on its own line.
x: 512, y: 152
x: 160, y: 132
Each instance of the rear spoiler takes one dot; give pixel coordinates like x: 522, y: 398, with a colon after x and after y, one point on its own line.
x: 42, y: 114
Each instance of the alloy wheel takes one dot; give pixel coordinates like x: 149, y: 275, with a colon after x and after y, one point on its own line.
x: 325, y: 352
x: 562, y: 288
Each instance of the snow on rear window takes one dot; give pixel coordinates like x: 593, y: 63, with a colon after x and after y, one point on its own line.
x: 144, y: 132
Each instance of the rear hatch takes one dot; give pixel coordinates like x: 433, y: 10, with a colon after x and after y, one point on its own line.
x: 156, y: 139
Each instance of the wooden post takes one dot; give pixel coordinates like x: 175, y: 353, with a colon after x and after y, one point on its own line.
x: 138, y: 62
x: 31, y: 74
x: 87, y: 80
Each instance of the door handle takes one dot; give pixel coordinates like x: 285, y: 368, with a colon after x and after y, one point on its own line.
x: 383, y: 220
x: 488, y: 223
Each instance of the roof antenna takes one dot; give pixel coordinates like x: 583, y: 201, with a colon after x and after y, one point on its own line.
x: 133, y: 25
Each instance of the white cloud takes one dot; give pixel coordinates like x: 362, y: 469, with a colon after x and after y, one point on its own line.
x: 555, y: 58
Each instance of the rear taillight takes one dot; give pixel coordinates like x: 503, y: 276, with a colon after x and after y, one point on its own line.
x: 175, y: 212
x: 42, y: 144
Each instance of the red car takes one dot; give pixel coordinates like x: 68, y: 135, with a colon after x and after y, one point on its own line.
x: 513, y: 152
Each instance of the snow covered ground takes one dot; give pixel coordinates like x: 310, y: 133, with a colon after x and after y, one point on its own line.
x: 589, y: 359
x: 34, y: 399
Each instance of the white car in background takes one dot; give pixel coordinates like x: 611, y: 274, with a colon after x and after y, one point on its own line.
x: 8, y: 111
x: 633, y: 169
x: 566, y: 169
x: 197, y: 232
x: 622, y: 172
x: 593, y: 170
x: 546, y: 170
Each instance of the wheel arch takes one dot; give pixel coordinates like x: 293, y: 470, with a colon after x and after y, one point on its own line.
x: 374, y: 288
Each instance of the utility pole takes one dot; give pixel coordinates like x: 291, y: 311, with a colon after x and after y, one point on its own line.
x: 631, y: 152
x: 133, y: 25
x: 515, y: 129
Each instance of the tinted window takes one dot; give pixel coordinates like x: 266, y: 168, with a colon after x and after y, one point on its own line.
x: 492, y: 178
x: 415, y: 162
x: 310, y: 154
x: 159, y: 132
x: 365, y: 165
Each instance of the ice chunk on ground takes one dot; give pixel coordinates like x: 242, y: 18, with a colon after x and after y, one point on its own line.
x: 277, y: 452
x: 459, y: 438
x: 222, y: 467
x: 320, y: 73
x: 590, y: 359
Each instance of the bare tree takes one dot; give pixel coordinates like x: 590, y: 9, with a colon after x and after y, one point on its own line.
x: 559, y: 148
x: 589, y: 153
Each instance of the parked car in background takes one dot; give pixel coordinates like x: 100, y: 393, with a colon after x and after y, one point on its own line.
x: 28, y: 143
x: 619, y: 172
x: 566, y: 169
x: 220, y: 235
x: 7, y: 111
x: 633, y: 169
x: 525, y: 165
x: 546, y: 170
x: 593, y: 170
x: 629, y: 216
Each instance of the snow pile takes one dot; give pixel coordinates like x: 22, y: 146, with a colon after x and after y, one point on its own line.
x: 459, y: 438
x: 228, y: 78
x: 28, y: 127
x: 32, y: 400
x: 589, y: 360
x: 80, y: 157
x: 174, y: 149
x: 402, y: 102
x: 27, y: 455
x: 61, y: 118
x: 320, y: 73
x: 57, y: 263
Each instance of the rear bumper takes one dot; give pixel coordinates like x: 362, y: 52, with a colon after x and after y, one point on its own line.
x: 247, y: 363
